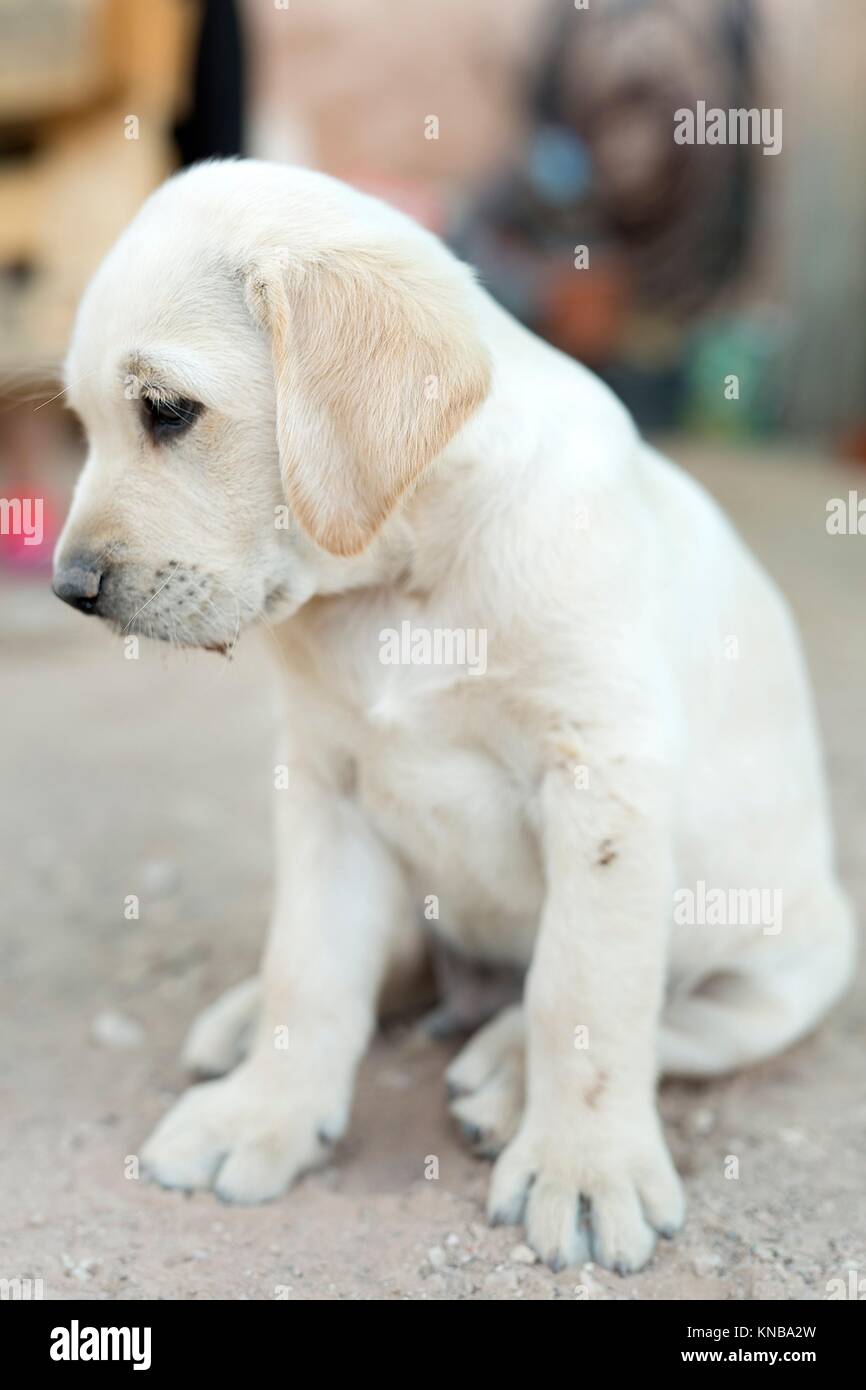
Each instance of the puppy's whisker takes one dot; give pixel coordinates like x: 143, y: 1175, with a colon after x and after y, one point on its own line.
x: 154, y: 595
x: 269, y: 629
x: 236, y: 637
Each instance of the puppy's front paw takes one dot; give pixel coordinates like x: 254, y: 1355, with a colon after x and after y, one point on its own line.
x: 596, y: 1192
x: 245, y: 1136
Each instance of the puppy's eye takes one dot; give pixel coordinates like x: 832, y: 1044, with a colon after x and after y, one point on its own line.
x: 165, y: 418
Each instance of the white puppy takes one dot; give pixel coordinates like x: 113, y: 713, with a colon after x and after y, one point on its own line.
x: 532, y: 680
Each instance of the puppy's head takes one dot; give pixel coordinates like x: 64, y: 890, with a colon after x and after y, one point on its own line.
x: 264, y: 365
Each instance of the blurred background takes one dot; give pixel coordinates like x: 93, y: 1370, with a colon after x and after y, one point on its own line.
x: 536, y: 136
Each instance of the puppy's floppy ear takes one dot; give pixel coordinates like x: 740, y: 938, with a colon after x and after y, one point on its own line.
x: 377, y: 365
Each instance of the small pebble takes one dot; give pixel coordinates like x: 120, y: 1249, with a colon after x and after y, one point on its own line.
x: 763, y: 1252
x: 81, y: 1270
x: 111, y: 1029
x: 160, y: 878
x: 522, y: 1255
x: 701, y: 1121
x: 794, y: 1138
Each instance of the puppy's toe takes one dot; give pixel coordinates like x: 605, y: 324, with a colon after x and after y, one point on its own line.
x: 218, y: 1038
x: 622, y: 1238
x: 189, y: 1143
x: 555, y: 1227
x: 263, y: 1166
x: 489, y: 1117
x: 486, y: 1052
x: 513, y: 1176
x: 661, y: 1194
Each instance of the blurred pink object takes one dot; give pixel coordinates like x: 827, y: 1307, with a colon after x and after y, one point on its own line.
x: 417, y: 199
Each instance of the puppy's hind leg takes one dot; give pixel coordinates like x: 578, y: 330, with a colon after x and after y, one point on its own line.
x: 471, y: 992
x: 745, y: 1015
x: 220, y: 1036
x: 487, y: 1083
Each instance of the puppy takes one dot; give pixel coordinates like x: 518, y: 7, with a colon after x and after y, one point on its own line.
x: 535, y: 691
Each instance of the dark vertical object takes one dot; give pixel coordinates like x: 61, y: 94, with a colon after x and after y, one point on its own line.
x: 214, y: 125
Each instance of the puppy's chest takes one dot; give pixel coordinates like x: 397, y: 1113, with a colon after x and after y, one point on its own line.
x: 448, y: 780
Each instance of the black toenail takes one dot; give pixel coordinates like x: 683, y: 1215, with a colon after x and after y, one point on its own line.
x: 472, y: 1133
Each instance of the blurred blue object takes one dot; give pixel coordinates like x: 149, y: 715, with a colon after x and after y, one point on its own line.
x: 559, y: 166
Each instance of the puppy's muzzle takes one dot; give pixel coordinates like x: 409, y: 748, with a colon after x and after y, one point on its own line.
x: 80, y: 582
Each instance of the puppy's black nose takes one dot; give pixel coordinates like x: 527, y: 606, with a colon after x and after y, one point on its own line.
x: 80, y: 583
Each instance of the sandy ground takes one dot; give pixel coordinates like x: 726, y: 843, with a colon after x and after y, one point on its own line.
x: 153, y: 778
